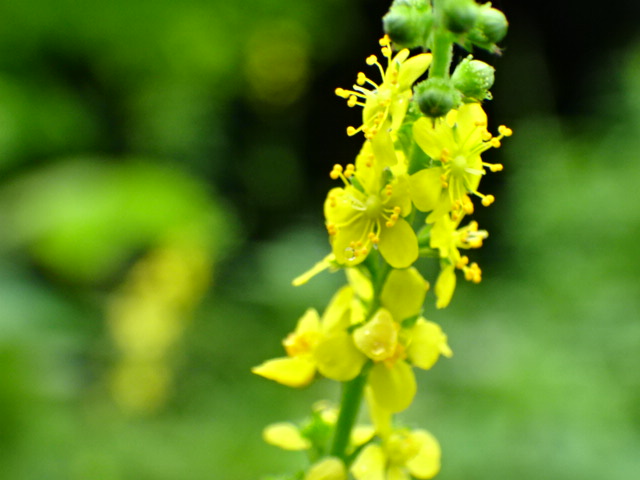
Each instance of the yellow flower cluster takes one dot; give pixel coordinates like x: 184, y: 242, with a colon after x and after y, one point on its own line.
x: 405, y: 196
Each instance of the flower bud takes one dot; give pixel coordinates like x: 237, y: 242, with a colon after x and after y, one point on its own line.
x: 473, y: 79
x: 460, y: 15
x: 407, y: 22
x: 436, y: 97
x: 491, y: 27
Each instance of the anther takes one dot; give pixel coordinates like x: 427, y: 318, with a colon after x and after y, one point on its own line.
x: 352, y: 101
x: 341, y: 92
x: 386, y: 51
x: 351, y: 131
x: 385, y: 41
x: 495, y: 142
x: 335, y: 173
x: 488, y: 200
x: 505, y: 131
x: 467, y: 205
x: 362, y: 78
x: 372, y: 60
x: 486, y: 135
x: 350, y: 170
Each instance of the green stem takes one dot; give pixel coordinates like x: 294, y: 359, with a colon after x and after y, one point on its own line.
x: 352, y: 392
x: 441, y: 45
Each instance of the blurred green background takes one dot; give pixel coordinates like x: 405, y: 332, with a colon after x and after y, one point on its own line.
x: 162, y: 170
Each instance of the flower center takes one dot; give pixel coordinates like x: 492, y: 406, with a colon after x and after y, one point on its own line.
x: 373, y: 207
x: 459, y: 166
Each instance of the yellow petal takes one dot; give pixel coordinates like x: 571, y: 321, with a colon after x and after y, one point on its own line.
x: 337, y: 316
x: 393, y: 388
x: 399, y: 244
x: 425, y: 188
x: 412, y: 69
x: 378, y: 338
x: 360, y: 282
x: 308, y: 323
x: 361, y: 434
x: 338, y: 358
x: 403, y: 293
x: 433, y: 137
x: 381, y: 418
x: 327, y: 469
x: 285, y: 435
x: 370, y: 464
x: 292, y: 372
x: 470, y: 116
x: 445, y: 286
x: 426, y: 464
x: 397, y: 472
x: 382, y: 146
x: 428, y: 342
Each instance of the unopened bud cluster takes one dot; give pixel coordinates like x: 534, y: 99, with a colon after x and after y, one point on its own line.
x: 426, y: 24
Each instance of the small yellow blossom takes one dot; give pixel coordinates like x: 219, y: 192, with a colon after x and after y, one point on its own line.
x: 385, y: 105
x: 402, y: 455
x: 322, y: 345
x: 368, y: 213
x: 298, y: 368
x: 456, y: 142
x: 393, y: 351
x: 285, y: 435
x: 448, y: 239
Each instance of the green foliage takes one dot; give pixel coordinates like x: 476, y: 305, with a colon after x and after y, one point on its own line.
x: 136, y: 102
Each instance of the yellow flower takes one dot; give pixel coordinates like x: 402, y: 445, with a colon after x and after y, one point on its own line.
x: 403, y: 454
x: 368, y: 213
x: 385, y: 106
x: 456, y: 142
x: 393, y: 351
x: 316, y: 344
x: 448, y: 239
x: 298, y: 368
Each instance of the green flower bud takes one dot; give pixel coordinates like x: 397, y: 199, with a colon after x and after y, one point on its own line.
x: 491, y: 27
x: 436, y: 96
x: 460, y: 15
x: 408, y: 22
x: 473, y: 79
